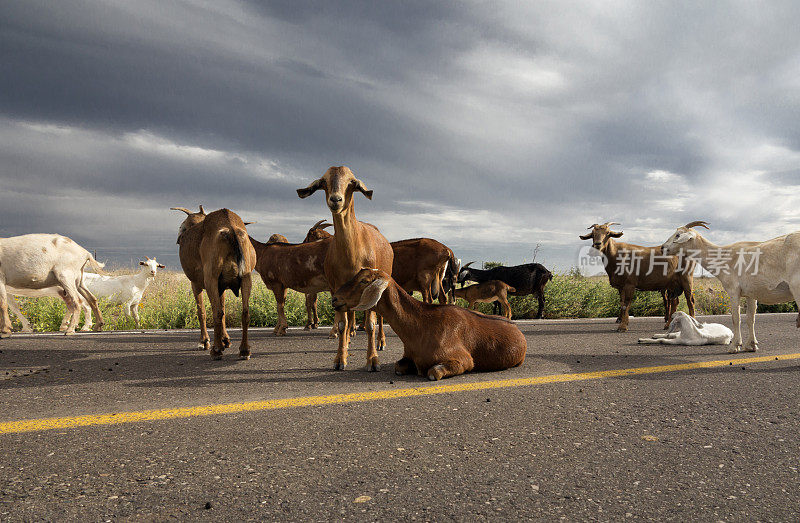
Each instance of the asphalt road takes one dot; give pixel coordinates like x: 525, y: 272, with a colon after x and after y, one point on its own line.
x: 713, y: 443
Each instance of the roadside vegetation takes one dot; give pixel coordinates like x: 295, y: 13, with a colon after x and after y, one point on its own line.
x: 168, y: 304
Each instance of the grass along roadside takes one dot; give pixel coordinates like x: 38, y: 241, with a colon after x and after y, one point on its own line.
x: 168, y: 304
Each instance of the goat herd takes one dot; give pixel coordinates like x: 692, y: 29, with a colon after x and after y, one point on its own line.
x: 364, y: 272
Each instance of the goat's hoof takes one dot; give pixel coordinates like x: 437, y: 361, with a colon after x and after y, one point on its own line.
x: 27, y: 331
x: 339, y: 365
x: 86, y: 328
x: 226, y: 342
x: 216, y: 354
x: 381, y: 346
x: 244, y: 356
x: 5, y: 335
x: 666, y: 326
x: 204, y: 345
x: 436, y: 372
x: 735, y: 349
x: 307, y: 328
x: 622, y: 328
x: 97, y: 327
x: 69, y: 332
x: 753, y: 347
x: 315, y: 326
x: 372, y: 366
x: 63, y: 328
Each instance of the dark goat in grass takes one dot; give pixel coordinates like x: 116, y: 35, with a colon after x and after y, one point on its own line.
x: 528, y: 278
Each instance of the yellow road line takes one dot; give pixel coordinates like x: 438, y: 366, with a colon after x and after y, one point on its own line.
x: 35, y: 425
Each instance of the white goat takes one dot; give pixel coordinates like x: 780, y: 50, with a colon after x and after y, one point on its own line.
x: 126, y: 290
x: 39, y: 261
x: 758, y: 271
x: 685, y: 330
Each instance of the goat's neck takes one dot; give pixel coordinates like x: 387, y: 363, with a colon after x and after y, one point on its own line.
x: 143, y: 278
x: 400, y: 310
x: 344, y: 226
x: 611, y: 249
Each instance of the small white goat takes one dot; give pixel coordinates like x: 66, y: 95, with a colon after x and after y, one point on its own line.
x: 39, y: 261
x: 126, y: 290
x: 685, y: 330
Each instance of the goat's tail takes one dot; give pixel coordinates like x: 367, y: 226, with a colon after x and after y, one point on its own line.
x: 237, y: 238
x: 93, y: 264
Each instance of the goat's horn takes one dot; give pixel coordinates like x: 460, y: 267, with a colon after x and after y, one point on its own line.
x: 467, y: 265
x: 698, y: 223
x: 609, y: 224
x: 201, y: 210
x: 317, y: 224
x: 592, y: 226
x: 184, y: 209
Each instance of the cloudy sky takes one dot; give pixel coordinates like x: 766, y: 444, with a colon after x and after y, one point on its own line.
x: 489, y: 126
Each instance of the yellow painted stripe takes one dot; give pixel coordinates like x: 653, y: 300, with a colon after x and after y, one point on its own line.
x: 34, y: 425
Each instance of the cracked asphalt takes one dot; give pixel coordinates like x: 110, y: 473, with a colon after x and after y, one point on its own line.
x: 715, y: 443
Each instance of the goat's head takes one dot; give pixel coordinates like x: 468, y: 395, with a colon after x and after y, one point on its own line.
x: 192, y: 219
x: 278, y: 238
x: 362, y: 291
x: 601, y: 235
x: 339, y: 184
x: 464, y: 273
x: 318, y: 232
x: 683, y: 239
x: 152, y: 266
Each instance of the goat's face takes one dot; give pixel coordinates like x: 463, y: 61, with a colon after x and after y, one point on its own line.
x: 339, y: 184
x: 683, y: 239
x: 192, y: 219
x: 601, y: 235
x: 362, y: 291
x: 152, y: 266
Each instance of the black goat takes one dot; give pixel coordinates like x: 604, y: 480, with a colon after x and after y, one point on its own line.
x: 528, y: 278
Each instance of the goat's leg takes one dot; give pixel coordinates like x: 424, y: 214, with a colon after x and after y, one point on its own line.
x: 506, y: 307
x: 667, y: 312
x: 312, y: 321
x: 197, y: 290
x: 752, y: 343
x: 351, y: 322
x: 226, y: 339
x: 12, y: 306
x: 134, y: 308
x: 89, y: 299
x: 340, y: 321
x: 246, y: 286
x: 459, y: 363
x: 280, y: 298
x: 372, y: 349
x: 87, y: 316
x: 5, y: 320
x: 627, y: 297
x: 405, y: 365
x: 216, y: 311
x: 72, y: 299
x: 381, y: 333
x: 621, y: 307
x: 736, y: 346
x: 540, y: 299
x: 689, y: 295
x: 67, y: 313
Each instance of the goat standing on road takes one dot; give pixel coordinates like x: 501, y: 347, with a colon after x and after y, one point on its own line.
x: 355, y: 245
x: 216, y: 254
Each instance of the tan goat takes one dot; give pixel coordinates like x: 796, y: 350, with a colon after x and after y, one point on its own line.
x: 487, y: 292
x: 216, y: 254
x: 439, y: 340
x: 355, y: 245
x: 297, y: 266
x: 420, y: 264
x: 318, y: 232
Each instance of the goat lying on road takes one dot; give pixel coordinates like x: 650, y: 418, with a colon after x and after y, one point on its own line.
x: 685, y: 330
x: 487, y: 292
x: 439, y: 340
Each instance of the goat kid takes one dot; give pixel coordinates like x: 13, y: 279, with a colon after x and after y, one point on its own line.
x: 487, y: 292
x: 685, y: 330
x: 439, y: 340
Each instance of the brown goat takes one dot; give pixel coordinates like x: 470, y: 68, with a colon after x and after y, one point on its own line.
x: 653, y: 272
x: 318, y: 232
x: 439, y: 340
x: 297, y: 266
x: 420, y: 265
x: 355, y: 245
x: 277, y: 238
x: 216, y: 254
x: 487, y: 292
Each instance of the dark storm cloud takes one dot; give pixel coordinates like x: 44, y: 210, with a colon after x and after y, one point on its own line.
x: 492, y: 127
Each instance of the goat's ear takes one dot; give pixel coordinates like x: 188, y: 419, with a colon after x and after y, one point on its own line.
x: 372, y: 294
x: 360, y: 187
x: 586, y: 236
x: 317, y: 184
x: 615, y: 234
x: 161, y: 266
x: 248, y: 223
x: 141, y: 263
